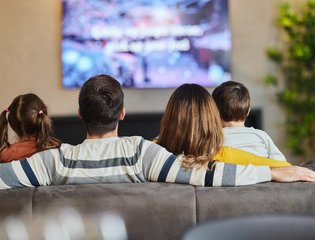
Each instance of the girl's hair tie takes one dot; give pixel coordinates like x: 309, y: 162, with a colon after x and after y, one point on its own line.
x: 40, y: 112
x: 7, y: 110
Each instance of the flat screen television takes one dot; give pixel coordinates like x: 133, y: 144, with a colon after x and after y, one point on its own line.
x: 146, y: 43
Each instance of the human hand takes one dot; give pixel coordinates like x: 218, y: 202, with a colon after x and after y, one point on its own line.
x: 292, y: 174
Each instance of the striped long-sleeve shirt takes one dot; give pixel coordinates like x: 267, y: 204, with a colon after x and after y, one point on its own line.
x: 121, y: 160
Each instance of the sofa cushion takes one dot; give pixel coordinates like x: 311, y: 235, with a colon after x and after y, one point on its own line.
x: 265, y: 198
x: 150, y: 210
x: 16, y: 202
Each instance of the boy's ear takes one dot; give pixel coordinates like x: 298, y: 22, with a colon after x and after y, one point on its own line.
x: 248, y: 112
x: 79, y: 114
x: 122, y: 114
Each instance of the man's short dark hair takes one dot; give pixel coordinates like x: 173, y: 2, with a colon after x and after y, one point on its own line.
x: 233, y: 101
x: 101, y: 101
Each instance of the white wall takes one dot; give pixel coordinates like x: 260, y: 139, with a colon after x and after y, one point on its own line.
x: 30, y: 58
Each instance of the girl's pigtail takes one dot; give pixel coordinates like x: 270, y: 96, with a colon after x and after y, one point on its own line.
x: 3, y: 131
x: 43, y: 135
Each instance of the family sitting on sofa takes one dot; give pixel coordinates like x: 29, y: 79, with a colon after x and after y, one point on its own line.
x: 189, y: 148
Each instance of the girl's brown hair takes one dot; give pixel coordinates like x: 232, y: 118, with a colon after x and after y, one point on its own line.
x: 27, y: 116
x: 191, y: 126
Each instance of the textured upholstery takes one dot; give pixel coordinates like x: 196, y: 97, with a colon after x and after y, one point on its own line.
x: 16, y: 201
x: 271, y: 227
x: 161, y: 210
x: 149, y: 209
x: 267, y: 198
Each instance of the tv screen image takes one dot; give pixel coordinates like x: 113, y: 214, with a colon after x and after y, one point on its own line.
x: 146, y: 43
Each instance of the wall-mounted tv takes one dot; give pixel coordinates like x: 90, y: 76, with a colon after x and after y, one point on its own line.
x: 146, y: 43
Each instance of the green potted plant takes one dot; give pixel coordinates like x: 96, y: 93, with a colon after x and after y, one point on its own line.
x: 294, y: 77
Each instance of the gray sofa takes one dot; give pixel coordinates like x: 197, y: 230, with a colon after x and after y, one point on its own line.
x: 161, y: 210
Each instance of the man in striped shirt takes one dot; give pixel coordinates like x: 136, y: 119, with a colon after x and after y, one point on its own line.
x: 106, y: 158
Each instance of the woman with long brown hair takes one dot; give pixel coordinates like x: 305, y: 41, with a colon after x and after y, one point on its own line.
x: 191, y: 126
x: 27, y: 116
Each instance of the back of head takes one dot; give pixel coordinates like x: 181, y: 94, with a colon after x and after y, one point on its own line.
x: 233, y: 101
x: 27, y: 116
x: 101, y: 101
x: 191, y: 125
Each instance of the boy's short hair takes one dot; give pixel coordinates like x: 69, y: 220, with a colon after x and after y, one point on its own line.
x: 233, y: 101
x: 101, y: 101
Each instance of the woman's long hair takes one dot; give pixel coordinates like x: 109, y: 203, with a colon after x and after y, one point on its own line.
x: 27, y: 116
x: 191, y: 126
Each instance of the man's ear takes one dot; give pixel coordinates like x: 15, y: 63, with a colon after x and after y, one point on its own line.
x: 79, y: 114
x: 122, y: 114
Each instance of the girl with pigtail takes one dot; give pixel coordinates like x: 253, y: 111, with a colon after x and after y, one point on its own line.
x: 27, y: 116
